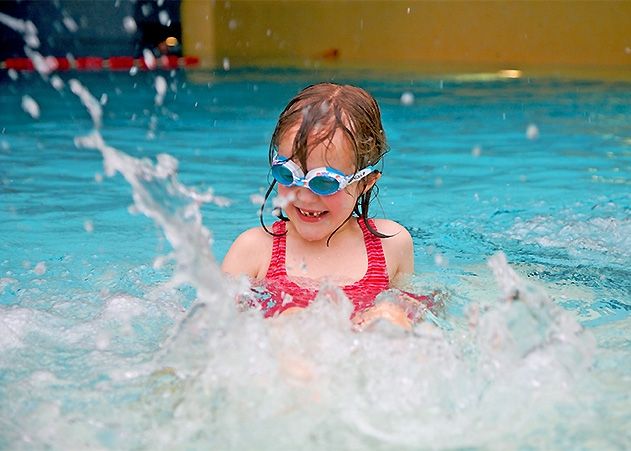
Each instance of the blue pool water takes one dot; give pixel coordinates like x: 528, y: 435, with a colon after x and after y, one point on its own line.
x: 118, y: 332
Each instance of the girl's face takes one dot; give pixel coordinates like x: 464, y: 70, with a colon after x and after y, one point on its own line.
x: 315, y: 217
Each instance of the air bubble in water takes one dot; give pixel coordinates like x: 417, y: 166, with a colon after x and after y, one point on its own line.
x: 476, y: 151
x: 226, y: 63
x: 532, y: 132
x: 88, y: 226
x: 407, y: 98
x: 129, y: 24
x: 232, y: 25
x: 13, y: 75
x: 30, y: 106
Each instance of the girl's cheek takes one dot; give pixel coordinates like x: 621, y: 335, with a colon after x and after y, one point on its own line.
x: 341, y: 199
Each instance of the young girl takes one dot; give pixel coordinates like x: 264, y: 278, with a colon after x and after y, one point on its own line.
x: 325, y: 156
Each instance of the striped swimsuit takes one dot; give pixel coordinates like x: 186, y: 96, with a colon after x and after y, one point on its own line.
x: 285, y: 293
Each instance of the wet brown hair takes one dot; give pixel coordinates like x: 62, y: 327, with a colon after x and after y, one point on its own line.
x: 319, y: 111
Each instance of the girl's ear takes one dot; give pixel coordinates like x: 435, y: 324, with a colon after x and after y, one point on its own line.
x: 371, y: 180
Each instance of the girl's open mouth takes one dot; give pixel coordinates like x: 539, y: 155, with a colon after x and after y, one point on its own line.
x: 308, y: 214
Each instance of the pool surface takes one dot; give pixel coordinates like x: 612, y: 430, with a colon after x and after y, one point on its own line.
x: 117, y: 330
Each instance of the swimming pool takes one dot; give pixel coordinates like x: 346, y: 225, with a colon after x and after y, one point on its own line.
x: 103, y: 349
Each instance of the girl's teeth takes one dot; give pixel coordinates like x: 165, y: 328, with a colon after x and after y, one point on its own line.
x: 311, y: 214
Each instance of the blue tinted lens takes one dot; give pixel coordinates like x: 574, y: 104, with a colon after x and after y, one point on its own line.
x: 324, y: 185
x: 282, y: 175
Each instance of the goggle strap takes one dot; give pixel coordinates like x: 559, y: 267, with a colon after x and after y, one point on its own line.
x: 361, y: 174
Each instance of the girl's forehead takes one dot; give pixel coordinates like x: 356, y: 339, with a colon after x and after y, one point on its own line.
x: 336, y: 152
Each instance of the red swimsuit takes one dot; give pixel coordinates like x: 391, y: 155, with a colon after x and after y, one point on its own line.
x: 285, y: 293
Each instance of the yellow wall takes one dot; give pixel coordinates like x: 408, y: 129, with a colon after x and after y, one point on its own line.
x: 444, y: 34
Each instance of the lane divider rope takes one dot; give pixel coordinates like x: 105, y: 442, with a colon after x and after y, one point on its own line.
x: 97, y: 63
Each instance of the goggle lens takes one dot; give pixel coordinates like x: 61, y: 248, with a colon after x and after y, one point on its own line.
x: 324, y: 185
x: 282, y: 174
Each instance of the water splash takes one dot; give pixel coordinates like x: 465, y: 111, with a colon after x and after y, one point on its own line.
x: 25, y: 27
x: 147, y: 372
x: 153, y: 373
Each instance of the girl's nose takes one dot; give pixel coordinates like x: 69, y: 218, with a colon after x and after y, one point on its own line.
x: 305, y: 194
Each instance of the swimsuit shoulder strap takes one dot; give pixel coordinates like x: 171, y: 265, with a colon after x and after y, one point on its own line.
x: 376, y: 259
x: 276, y: 266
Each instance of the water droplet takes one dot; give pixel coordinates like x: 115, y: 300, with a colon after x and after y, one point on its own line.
x: 30, y: 106
x: 232, y: 25
x: 161, y: 89
x: 129, y: 24
x: 407, y: 98
x: 440, y: 260
x: 164, y: 18
x: 70, y: 24
x: 476, y: 151
x: 532, y: 132
x: 150, y: 59
x: 146, y: 9
x: 57, y: 82
x: 88, y: 226
x: 226, y: 63
x: 257, y: 199
x: 13, y: 75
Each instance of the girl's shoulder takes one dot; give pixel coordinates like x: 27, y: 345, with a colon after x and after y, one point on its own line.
x: 398, y: 248
x: 249, y: 254
x: 393, y: 229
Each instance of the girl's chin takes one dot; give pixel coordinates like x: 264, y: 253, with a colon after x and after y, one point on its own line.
x: 311, y: 230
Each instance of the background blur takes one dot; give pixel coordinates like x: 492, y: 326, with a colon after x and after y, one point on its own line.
x: 562, y: 37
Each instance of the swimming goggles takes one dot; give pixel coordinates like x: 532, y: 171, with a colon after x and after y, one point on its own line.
x: 322, y: 181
